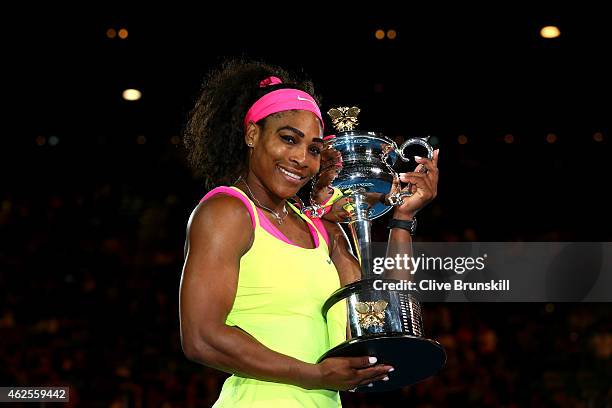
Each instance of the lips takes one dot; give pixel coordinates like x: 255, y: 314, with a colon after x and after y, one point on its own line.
x: 291, y: 175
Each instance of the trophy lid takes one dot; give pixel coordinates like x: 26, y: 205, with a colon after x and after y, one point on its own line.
x: 345, y: 121
x: 344, y: 118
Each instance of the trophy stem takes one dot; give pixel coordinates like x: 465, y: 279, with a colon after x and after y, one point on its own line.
x: 360, y: 226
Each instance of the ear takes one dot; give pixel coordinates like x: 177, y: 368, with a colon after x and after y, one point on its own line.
x: 251, y: 135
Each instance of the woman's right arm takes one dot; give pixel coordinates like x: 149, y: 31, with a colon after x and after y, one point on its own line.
x: 217, y: 237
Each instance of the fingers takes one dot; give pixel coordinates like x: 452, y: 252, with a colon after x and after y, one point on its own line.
x: 396, y: 186
x: 339, y: 209
x: 370, y: 383
x: 330, y: 168
x: 347, y: 373
x: 429, y: 164
x: 428, y: 167
x: 331, y: 165
x: 338, y: 213
x: 325, y: 179
x: 420, y: 182
x: 330, y: 156
x: 376, y: 373
x: 381, y: 377
x: 361, y: 362
x: 419, y: 179
x: 367, y: 372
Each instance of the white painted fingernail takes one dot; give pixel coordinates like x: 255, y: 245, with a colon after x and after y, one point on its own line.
x: 402, y: 174
x: 370, y: 385
x: 372, y: 360
x: 385, y: 378
x: 391, y: 369
x: 418, y: 157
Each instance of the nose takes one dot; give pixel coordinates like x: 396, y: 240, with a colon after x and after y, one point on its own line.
x: 299, y: 156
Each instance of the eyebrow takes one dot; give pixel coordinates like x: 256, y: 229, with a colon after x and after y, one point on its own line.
x: 299, y: 133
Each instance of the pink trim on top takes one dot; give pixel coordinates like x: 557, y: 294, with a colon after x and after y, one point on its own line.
x: 265, y: 223
x: 231, y: 192
x: 272, y: 229
x: 319, y: 224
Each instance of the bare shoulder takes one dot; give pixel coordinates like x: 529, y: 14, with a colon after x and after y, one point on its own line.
x: 222, y: 218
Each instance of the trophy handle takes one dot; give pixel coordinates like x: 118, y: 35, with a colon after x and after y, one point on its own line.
x: 423, y: 141
x: 396, y: 198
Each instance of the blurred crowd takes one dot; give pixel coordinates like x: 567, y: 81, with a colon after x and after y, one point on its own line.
x: 90, y: 263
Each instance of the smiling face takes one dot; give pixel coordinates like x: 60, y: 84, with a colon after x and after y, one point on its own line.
x: 286, y: 152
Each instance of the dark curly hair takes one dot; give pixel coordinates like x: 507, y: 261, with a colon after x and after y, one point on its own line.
x: 214, y: 133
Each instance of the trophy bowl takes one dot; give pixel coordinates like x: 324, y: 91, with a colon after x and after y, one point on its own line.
x: 364, y: 168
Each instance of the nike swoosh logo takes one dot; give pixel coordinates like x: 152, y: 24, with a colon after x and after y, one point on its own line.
x: 306, y: 99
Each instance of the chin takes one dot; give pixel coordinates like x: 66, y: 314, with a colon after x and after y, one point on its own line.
x: 287, y: 187
x: 285, y: 192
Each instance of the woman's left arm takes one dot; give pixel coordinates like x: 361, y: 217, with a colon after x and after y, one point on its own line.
x: 424, y: 187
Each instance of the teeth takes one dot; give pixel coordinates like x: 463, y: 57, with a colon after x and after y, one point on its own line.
x: 294, y: 176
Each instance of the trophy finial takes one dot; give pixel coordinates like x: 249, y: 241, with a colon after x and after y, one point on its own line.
x: 344, y: 118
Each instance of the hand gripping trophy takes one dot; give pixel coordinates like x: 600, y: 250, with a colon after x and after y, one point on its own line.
x: 382, y: 323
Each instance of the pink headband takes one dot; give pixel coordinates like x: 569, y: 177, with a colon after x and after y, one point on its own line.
x: 279, y: 101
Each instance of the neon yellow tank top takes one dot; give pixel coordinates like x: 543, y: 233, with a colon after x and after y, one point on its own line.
x: 281, y: 289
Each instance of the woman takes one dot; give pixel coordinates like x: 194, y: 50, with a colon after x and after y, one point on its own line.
x: 257, y: 271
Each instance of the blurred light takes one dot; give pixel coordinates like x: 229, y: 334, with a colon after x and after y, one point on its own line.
x: 470, y: 235
x: 175, y: 140
x: 550, y: 307
x: 141, y: 139
x: 123, y: 33
x: 111, y: 33
x: 53, y: 140
x: 551, y: 138
x: 462, y: 139
x: 550, y: 32
x: 131, y: 94
x: 40, y: 140
x: 509, y: 138
x: 380, y: 34
x: 598, y: 137
x: 391, y: 34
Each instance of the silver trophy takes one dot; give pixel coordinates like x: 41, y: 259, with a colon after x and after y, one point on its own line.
x: 386, y: 324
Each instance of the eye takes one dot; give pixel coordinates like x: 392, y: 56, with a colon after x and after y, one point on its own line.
x: 315, y: 150
x: 288, y: 139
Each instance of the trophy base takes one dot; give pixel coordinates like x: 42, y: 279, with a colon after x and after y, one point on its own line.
x: 414, y: 358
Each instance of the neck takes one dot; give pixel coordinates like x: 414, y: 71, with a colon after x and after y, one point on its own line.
x: 262, y: 194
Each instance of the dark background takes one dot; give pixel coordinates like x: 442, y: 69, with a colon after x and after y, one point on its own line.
x: 92, y: 227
